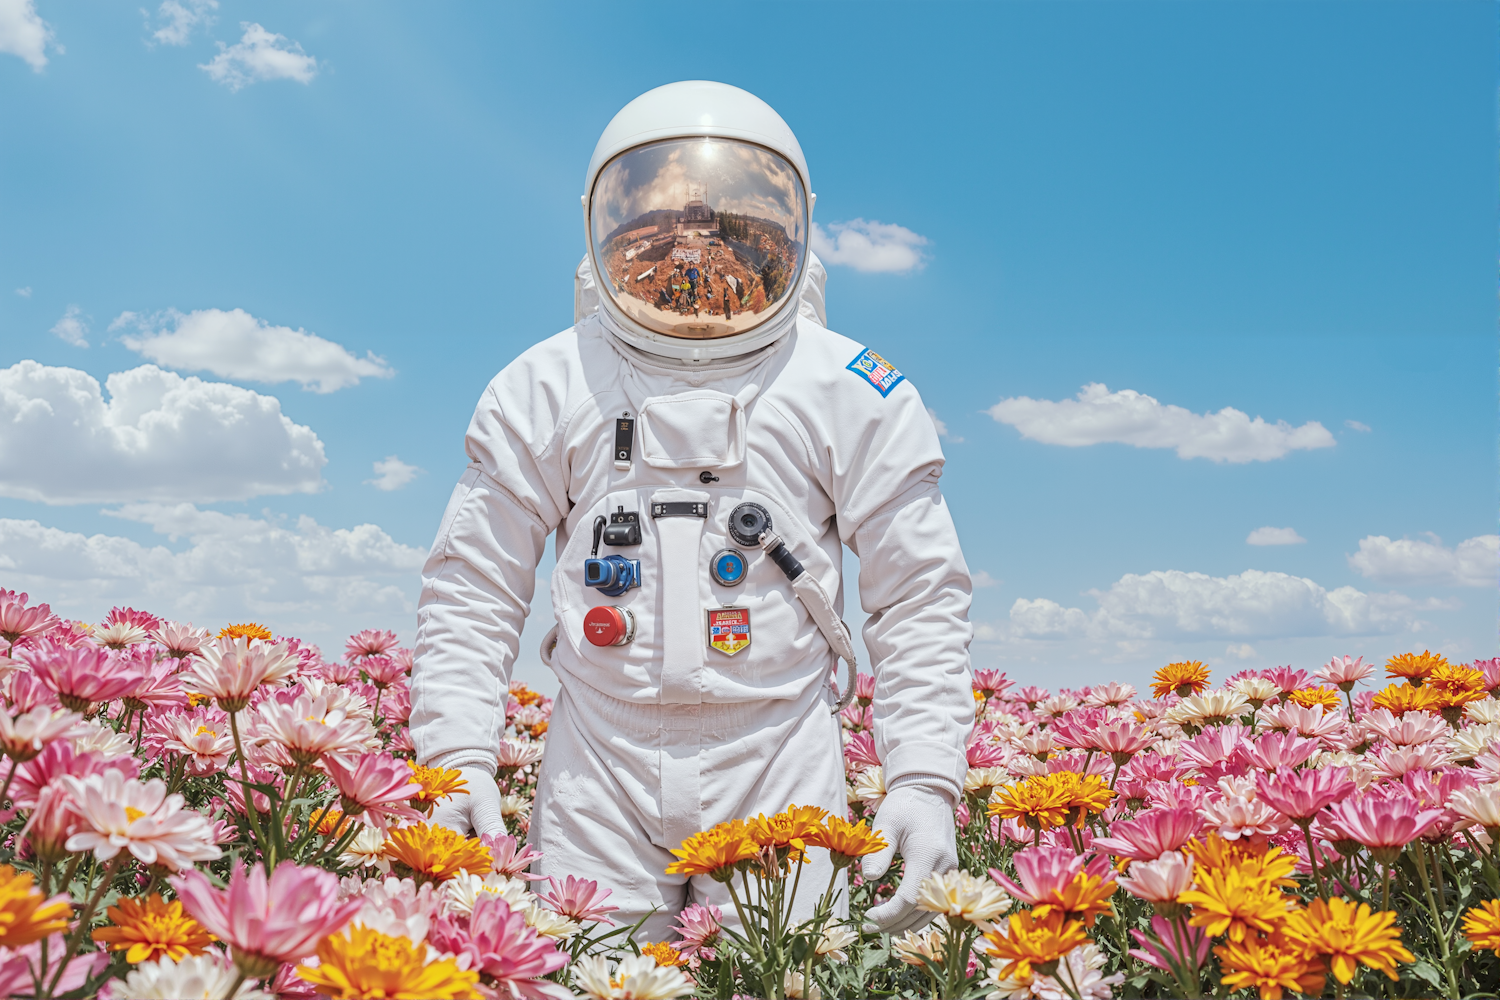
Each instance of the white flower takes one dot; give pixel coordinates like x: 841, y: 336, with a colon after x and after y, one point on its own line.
x: 367, y: 849
x: 1208, y: 706
x: 231, y: 669
x: 913, y: 946
x: 196, y: 977
x: 1256, y: 689
x: 549, y: 924
x: 339, y: 698
x: 91, y: 737
x: 308, y: 728
x: 869, y: 787
x: 120, y: 634
x: 26, y: 735
x: 1478, y: 805
x: 119, y: 813
x: 1079, y: 969
x: 1483, y: 712
x: 834, y: 941
x: 395, y: 906
x: 1475, y: 740
x: 795, y: 988
x: 957, y: 894
x: 635, y: 978
x: 1058, y: 704
x: 463, y: 890
x: 983, y: 781
x: 518, y: 753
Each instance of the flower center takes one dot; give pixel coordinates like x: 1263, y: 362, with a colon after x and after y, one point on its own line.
x: 132, y: 814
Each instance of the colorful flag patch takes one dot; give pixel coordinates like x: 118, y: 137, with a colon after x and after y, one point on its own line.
x: 728, y: 629
x: 876, y: 370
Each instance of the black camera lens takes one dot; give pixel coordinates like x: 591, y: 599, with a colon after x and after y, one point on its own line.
x: 748, y: 522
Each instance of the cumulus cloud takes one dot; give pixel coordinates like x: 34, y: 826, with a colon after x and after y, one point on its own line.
x: 1474, y: 562
x: 298, y: 577
x: 260, y: 55
x: 392, y: 474
x: 23, y: 33
x: 1171, y: 604
x: 1355, y: 425
x: 1097, y: 416
x: 234, y: 344
x: 941, y: 427
x: 72, y: 328
x: 982, y: 579
x: 869, y: 246
x: 178, y: 19
x: 1275, y: 536
x: 159, y: 436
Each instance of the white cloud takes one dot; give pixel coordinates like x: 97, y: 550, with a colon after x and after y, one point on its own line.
x: 1171, y: 604
x: 25, y: 293
x: 23, y: 33
x: 72, y: 328
x: 234, y: 344
x: 178, y: 19
x: 1243, y: 651
x: 1355, y: 425
x: 260, y: 55
x: 941, y: 427
x: 392, y: 474
x: 159, y: 437
x: 1275, y: 536
x: 1097, y: 416
x: 297, y: 577
x: 1474, y: 562
x: 868, y: 246
x: 982, y: 579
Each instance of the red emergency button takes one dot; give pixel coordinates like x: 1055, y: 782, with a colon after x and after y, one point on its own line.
x: 609, y: 626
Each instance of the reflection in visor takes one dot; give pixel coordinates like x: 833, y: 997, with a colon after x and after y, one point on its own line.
x: 699, y: 238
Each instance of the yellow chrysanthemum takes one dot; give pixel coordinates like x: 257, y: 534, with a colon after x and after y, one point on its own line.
x: 1029, y: 942
x: 436, y: 783
x: 1454, y: 686
x: 791, y: 828
x: 1415, y: 667
x: 368, y: 965
x: 1235, y: 903
x: 1253, y: 860
x: 524, y: 695
x: 1186, y: 678
x: 334, y: 824
x: 1346, y: 935
x: 1084, y: 898
x: 1312, y: 697
x: 1399, y: 699
x: 249, y: 630
x: 153, y: 929
x: 665, y: 955
x: 1036, y: 801
x: 1271, y: 971
x: 25, y: 915
x: 436, y: 853
x: 1482, y: 925
x: 714, y: 852
x: 846, y: 841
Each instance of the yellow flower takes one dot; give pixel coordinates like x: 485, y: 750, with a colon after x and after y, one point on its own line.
x: 1270, y: 971
x: 25, y: 916
x: 524, y: 695
x: 249, y: 630
x: 367, y: 964
x: 1084, y: 898
x: 1454, y: 686
x: 1311, y: 697
x: 436, y: 853
x: 1086, y: 792
x: 334, y: 824
x: 1415, y: 667
x: 791, y: 828
x: 846, y: 841
x: 1346, y: 935
x: 664, y: 954
x: 154, y: 930
x: 1261, y: 861
x: 714, y: 852
x: 1235, y: 903
x: 1036, y: 801
x: 1482, y: 925
x: 1186, y: 678
x: 1399, y: 699
x: 436, y: 784
x: 1033, y: 942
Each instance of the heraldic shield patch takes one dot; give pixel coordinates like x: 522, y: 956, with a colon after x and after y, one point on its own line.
x: 728, y: 629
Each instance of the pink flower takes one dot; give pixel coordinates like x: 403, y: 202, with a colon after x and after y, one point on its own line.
x: 18, y: 622
x: 1411, y: 729
x: 507, y: 859
x: 308, y: 728
x: 1171, y: 942
x: 52, y: 816
x: 859, y: 751
x: 1151, y: 834
x: 1045, y: 872
x: 698, y: 926
x: 370, y: 642
x: 516, y: 754
x: 382, y: 671
x: 26, y: 735
x: 130, y: 616
x: 498, y: 943
x: 1212, y: 747
x: 234, y: 789
x: 1075, y: 729
x: 1310, y: 722
x: 57, y: 760
x: 981, y: 750
x: 1301, y: 795
x: 267, y: 923
x: 988, y: 682
x: 1285, y: 678
x: 118, y: 813
x: 1395, y: 761
x: 1434, y: 790
x: 579, y: 899
x: 160, y: 686
x: 25, y: 691
x: 1162, y: 880
x: 180, y: 641
x: 1491, y: 671
x: 1121, y: 737
x: 1383, y: 823
x: 1341, y: 670
x: 203, y: 736
x: 231, y: 669
x: 1107, y: 695
x: 82, y: 675
x: 376, y: 785
x: 1238, y: 813
x: 1273, y: 751
x: 857, y: 717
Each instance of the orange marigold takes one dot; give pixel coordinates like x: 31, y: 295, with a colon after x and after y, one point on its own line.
x: 152, y: 929
x: 1312, y: 697
x: 1482, y: 925
x: 1084, y: 898
x: 1255, y: 859
x: 1030, y: 941
x: 664, y: 954
x: 714, y: 852
x: 1234, y: 902
x: 846, y: 841
x: 1346, y: 935
x: 249, y: 630
x: 1186, y: 678
x: 436, y: 853
x: 25, y: 915
x: 436, y: 783
x: 1415, y: 667
x: 1270, y: 969
x: 791, y: 828
x: 1399, y: 699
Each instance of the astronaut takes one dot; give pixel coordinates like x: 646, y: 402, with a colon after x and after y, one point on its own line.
x: 712, y: 450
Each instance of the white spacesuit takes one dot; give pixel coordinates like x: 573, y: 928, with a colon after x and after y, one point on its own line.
x: 697, y: 413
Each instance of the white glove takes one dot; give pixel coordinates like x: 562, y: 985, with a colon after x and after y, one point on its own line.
x: 916, y: 822
x: 478, y: 811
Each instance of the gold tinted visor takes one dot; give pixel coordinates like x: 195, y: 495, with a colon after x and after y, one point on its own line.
x: 699, y: 238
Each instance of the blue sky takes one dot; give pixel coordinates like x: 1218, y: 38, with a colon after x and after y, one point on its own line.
x: 1283, y: 209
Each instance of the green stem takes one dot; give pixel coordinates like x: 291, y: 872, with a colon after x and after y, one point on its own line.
x: 267, y: 857
x: 1312, y: 857
x: 1437, y: 919
x: 76, y: 938
x: 5, y: 790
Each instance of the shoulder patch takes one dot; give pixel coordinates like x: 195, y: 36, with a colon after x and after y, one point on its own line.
x: 876, y: 370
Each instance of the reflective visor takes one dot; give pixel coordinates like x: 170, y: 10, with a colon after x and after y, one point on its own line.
x: 699, y: 238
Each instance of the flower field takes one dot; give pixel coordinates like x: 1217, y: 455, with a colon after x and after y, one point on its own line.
x: 234, y: 814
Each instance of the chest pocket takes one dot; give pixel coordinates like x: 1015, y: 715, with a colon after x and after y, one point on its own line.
x: 690, y: 430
